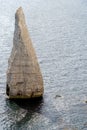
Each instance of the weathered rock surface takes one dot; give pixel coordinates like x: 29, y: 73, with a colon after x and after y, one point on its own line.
x: 24, y: 78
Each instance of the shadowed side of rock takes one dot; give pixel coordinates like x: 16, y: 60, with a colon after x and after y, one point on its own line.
x: 24, y: 78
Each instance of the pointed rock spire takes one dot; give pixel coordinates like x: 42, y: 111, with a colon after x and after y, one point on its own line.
x: 24, y: 78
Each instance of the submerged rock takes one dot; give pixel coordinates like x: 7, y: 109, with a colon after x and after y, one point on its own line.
x: 85, y: 101
x: 57, y: 96
x: 24, y: 78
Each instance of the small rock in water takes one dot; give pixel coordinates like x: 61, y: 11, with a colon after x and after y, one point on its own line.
x: 57, y: 96
x: 85, y: 124
x: 24, y: 78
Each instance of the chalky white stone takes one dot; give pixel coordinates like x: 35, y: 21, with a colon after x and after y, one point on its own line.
x: 24, y: 78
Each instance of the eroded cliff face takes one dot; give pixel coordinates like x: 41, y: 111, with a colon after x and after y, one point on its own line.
x: 24, y: 78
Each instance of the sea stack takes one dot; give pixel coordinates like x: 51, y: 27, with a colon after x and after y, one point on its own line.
x: 24, y: 78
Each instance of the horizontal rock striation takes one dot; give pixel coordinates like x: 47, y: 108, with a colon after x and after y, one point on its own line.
x: 24, y: 78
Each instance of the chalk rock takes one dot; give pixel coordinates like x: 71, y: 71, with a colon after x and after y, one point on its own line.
x: 24, y: 78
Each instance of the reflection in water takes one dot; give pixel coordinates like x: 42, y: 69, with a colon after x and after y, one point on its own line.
x: 19, y: 112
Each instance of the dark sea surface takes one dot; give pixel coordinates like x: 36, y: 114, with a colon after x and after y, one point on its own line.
x: 58, y: 29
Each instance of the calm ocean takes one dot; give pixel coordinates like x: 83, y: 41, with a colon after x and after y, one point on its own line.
x: 58, y: 29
